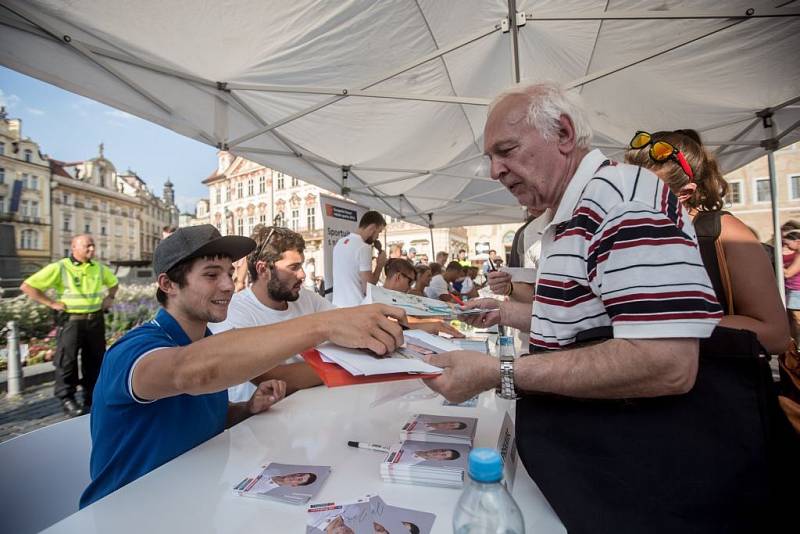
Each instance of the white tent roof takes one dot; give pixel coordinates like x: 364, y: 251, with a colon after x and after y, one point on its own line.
x: 397, y: 90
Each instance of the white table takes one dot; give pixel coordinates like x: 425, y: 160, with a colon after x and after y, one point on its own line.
x: 193, y: 493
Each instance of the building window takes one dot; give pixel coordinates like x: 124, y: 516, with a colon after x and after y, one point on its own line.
x: 87, y: 226
x: 2, y: 204
x: 295, y: 219
x: 240, y: 226
x: 34, y: 208
x: 24, y: 180
x: 794, y: 186
x: 311, y: 217
x: 2, y: 148
x: 103, y: 228
x: 218, y: 195
x: 280, y: 182
x: 130, y: 230
x: 239, y: 188
x: 262, y: 184
x: 261, y: 218
x: 734, y: 195
x: 67, y: 223
x: 66, y: 252
x: 762, y: 190
x: 2, y: 175
x: 29, y: 239
x: 23, y: 208
x: 104, y: 206
x: 66, y: 199
x: 28, y: 155
x: 294, y: 182
x: 34, y: 182
x: 250, y: 190
x: 250, y: 223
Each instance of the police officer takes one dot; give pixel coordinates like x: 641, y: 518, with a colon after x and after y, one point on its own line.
x: 78, y: 282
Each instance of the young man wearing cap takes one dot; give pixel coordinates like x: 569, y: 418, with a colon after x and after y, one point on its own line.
x: 162, y: 386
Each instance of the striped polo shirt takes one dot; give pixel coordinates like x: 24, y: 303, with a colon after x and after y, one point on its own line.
x: 620, y: 252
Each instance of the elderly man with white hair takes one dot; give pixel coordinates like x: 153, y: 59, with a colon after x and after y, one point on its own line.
x: 608, y: 423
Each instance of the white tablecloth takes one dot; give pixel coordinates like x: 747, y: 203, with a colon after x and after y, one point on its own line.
x: 193, y: 493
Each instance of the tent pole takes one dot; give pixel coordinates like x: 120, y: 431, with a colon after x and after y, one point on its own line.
x: 771, y: 144
x: 430, y: 227
x: 512, y: 22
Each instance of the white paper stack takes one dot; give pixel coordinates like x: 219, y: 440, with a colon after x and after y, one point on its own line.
x: 368, y: 515
x: 426, y: 463
x: 440, y: 428
x: 406, y: 359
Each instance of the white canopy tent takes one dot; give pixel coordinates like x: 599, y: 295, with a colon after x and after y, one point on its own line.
x: 386, y: 100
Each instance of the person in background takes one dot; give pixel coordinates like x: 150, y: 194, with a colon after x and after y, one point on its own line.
x: 790, y: 233
x: 681, y: 161
x: 412, y: 255
x: 162, y: 388
x: 441, y: 258
x: 310, y: 268
x: 400, y: 275
x: 395, y: 251
x: 277, y: 294
x: 423, y: 259
x: 489, y: 264
x: 352, y: 261
x: 424, y: 276
x: 79, y: 282
x: 439, y: 287
x: 462, y: 258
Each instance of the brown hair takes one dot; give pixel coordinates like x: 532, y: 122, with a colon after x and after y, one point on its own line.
x: 372, y: 217
x: 711, y: 186
x: 280, y: 240
x: 399, y: 265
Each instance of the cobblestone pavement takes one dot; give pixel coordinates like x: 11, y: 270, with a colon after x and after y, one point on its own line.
x: 36, y: 408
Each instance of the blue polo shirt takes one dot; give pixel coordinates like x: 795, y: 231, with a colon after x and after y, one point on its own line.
x: 131, y: 437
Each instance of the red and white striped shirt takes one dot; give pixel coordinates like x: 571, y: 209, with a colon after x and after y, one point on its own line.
x: 620, y: 252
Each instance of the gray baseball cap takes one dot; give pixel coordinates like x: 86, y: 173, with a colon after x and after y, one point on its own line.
x: 198, y: 241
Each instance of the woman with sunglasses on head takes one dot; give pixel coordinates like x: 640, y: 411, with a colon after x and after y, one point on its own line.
x: 692, y: 174
x: 790, y: 239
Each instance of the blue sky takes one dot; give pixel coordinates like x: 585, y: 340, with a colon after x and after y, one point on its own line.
x: 70, y: 127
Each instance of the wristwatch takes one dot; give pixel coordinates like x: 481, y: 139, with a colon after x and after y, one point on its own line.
x: 507, y: 389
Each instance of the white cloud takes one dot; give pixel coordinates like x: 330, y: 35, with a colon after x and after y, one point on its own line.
x: 118, y: 114
x: 9, y: 101
x: 186, y: 203
x: 34, y: 111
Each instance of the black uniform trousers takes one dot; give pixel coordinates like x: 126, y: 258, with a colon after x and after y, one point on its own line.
x: 86, y: 333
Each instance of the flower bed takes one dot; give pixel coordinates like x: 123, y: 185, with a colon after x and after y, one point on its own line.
x: 135, y: 304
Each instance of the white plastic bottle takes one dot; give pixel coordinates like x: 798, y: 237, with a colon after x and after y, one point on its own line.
x: 486, y: 507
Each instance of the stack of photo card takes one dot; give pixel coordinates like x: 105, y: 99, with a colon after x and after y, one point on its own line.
x: 294, y: 484
x: 369, y: 515
x: 440, y: 428
x: 426, y: 463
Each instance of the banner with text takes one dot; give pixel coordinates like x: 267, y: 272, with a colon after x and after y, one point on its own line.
x: 339, y: 218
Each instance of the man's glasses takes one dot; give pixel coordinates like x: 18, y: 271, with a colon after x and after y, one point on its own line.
x: 410, y: 280
x: 661, y: 151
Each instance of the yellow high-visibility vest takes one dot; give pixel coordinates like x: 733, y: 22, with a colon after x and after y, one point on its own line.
x: 80, y: 286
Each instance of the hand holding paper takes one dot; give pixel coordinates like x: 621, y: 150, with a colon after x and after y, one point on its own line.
x: 465, y: 374
x: 366, y: 327
x: 488, y: 312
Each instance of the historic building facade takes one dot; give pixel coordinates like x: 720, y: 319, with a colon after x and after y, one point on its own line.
x: 88, y: 198
x: 243, y: 194
x: 25, y: 195
x: 155, y: 214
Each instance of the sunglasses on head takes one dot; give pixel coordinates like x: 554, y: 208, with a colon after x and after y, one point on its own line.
x: 661, y: 151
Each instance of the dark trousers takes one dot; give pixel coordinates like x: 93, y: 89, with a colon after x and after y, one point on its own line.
x: 88, y: 336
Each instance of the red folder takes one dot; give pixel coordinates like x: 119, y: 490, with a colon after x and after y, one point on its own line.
x: 334, y: 375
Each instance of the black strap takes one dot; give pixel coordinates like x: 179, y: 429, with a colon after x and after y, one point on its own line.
x: 707, y: 226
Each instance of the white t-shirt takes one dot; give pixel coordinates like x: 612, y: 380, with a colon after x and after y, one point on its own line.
x: 245, y: 310
x: 467, y: 285
x: 438, y: 286
x: 351, y: 257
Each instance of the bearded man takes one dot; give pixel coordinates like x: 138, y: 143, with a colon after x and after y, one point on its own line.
x: 276, y: 295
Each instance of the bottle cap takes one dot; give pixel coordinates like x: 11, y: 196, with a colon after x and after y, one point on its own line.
x: 485, y: 465
x: 506, y: 340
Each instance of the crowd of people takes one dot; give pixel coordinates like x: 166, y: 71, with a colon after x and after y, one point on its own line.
x: 630, y: 417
